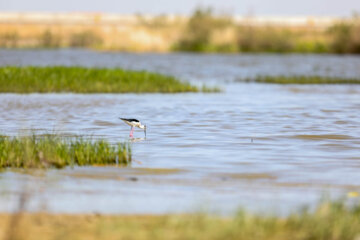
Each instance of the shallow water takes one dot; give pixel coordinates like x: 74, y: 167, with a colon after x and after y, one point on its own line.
x: 264, y: 147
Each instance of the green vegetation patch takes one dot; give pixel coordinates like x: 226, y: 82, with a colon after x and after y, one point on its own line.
x: 332, y: 221
x: 304, y: 80
x: 89, y: 80
x: 54, y: 151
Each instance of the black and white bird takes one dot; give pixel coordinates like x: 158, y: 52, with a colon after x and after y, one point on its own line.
x: 134, y: 123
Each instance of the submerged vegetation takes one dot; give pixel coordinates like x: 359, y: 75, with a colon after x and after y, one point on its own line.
x: 332, y: 221
x: 304, y: 80
x: 90, y: 80
x: 54, y: 151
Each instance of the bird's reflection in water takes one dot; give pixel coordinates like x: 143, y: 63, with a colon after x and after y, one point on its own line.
x: 137, y: 139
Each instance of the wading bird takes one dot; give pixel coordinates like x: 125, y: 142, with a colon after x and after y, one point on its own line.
x: 134, y: 123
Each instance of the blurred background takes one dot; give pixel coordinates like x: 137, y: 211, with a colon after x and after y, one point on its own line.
x: 204, y: 26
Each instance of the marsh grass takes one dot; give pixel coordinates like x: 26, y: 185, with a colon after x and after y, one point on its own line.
x: 89, y: 80
x: 303, y: 80
x: 333, y: 220
x: 54, y: 151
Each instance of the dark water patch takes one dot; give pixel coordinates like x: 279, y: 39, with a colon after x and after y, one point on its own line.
x: 104, y: 123
x: 341, y: 122
x: 248, y: 176
x: 121, y: 173
x: 337, y: 147
x: 330, y: 111
x: 322, y: 137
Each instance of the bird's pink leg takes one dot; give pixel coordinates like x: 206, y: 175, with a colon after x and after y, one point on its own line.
x: 132, y: 132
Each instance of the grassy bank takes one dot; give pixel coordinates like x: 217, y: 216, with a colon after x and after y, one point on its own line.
x: 89, y: 80
x: 330, y: 221
x: 303, y: 80
x: 53, y: 151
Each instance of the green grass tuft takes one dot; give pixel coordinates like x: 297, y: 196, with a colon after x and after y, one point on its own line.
x: 57, y: 79
x: 304, y: 80
x: 53, y: 151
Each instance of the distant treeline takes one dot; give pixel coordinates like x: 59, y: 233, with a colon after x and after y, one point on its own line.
x: 204, y: 31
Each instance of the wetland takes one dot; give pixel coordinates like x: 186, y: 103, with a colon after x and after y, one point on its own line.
x: 266, y: 147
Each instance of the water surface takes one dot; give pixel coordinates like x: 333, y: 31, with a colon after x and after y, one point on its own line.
x: 264, y: 147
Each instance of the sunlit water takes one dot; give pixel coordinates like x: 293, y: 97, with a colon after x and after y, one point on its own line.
x: 259, y: 146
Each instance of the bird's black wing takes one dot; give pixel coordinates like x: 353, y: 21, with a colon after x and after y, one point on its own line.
x: 129, y: 119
